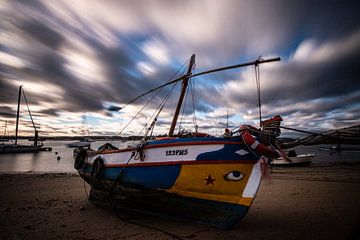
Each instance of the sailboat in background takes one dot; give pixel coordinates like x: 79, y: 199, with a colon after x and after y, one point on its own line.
x: 4, y: 139
x: 22, y: 148
x: 193, y: 176
x: 85, y: 141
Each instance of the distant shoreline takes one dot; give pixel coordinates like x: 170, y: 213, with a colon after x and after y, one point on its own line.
x: 69, y: 138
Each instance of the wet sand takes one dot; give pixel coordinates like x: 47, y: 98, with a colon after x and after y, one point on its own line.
x: 298, y: 203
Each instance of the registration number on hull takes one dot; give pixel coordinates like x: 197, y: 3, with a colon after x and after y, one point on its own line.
x: 176, y: 152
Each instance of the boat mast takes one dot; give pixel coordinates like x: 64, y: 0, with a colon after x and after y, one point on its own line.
x: 5, y: 128
x: 17, y: 115
x: 185, y: 81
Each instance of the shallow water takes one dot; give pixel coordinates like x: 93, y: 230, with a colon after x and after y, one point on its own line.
x: 60, y: 159
x: 49, y: 162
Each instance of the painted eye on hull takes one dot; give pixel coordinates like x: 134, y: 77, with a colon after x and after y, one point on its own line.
x: 234, y: 176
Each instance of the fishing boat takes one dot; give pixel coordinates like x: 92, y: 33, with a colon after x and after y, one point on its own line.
x: 293, y: 160
x: 22, y: 148
x: 194, y: 176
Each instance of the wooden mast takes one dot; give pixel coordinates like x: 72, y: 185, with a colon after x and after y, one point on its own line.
x: 17, y: 115
x: 185, y: 81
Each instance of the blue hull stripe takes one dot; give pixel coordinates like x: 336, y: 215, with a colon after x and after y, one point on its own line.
x: 228, y: 152
x: 152, y: 177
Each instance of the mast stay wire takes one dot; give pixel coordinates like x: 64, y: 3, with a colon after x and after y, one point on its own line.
x: 160, y: 87
x: 27, y: 105
x: 158, y: 91
x: 192, y: 86
x: 164, y: 101
x: 158, y: 110
x: 132, y: 119
x: 183, y: 109
x: 188, y: 91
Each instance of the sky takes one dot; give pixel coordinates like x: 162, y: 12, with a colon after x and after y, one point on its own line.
x: 89, y: 58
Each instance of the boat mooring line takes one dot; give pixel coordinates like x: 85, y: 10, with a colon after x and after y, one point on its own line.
x: 312, y: 133
x: 316, y: 179
x: 175, y: 236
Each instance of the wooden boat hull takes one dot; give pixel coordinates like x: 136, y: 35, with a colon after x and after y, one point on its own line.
x: 207, y: 180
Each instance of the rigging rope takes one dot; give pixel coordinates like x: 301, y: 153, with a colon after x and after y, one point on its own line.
x: 158, y: 88
x: 164, y: 101
x: 137, y: 114
x: 158, y: 91
x: 189, y: 91
x: 183, y: 110
x: 27, y: 105
x: 111, y: 191
x: 348, y: 135
x: 160, y: 108
x: 192, y: 86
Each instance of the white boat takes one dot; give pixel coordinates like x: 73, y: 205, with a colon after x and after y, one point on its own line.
x: 295, y: 160
x: 83, y: 143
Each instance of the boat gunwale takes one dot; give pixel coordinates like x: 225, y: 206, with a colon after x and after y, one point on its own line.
x: 171, y: 144
x: 192, y: 162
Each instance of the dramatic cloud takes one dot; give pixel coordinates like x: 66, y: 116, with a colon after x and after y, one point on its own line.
x: 77, y: 58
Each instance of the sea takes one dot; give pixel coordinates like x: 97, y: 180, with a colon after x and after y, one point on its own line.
x: 60, y: 159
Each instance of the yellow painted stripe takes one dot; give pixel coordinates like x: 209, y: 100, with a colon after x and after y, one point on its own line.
x: 193, y: 182
x: 216, y: 197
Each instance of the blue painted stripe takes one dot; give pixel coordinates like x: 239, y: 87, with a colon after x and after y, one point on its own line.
x: 152, y: 177
x: 228, y: 153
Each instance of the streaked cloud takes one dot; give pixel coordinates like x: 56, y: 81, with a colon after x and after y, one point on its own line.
x: 74, y: 57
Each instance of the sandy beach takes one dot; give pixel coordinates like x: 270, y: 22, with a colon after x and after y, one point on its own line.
x: 297, y: 203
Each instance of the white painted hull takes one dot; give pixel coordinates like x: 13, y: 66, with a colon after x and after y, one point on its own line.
x: 299, y: 160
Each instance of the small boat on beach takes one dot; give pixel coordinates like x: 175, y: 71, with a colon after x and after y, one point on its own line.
x: 193, y: 176
x: 22, y: 148
x: 293, y: 160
